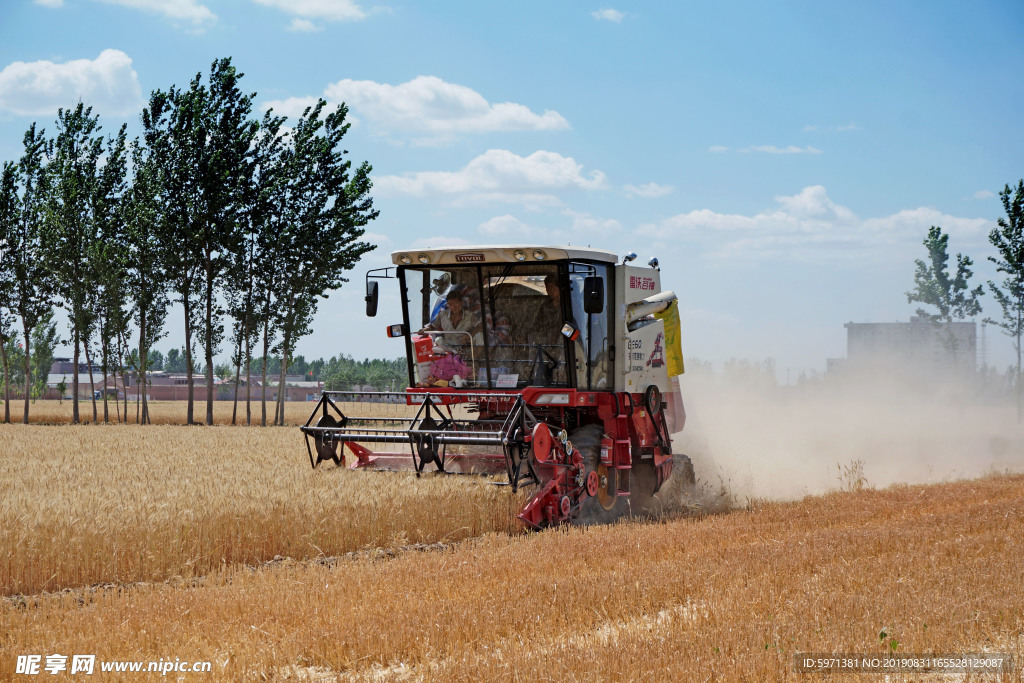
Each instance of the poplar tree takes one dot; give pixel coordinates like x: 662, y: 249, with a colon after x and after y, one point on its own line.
x: 202, y: 137
x: 72, y: 171
x: 328, y: 206
x: 949, y: 294
x: 9, y: 217
x: 34, y: 283
x: 1008, y: 239
x: 243, y: 289
x: 108, y: 257
x: 146, y: 278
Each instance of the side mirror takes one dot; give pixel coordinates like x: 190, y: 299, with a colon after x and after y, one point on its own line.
x: 371, y: 298
x: 593, y: 294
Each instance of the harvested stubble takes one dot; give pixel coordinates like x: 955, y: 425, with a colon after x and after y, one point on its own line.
x: 81, y: 505
x: 729, y: 597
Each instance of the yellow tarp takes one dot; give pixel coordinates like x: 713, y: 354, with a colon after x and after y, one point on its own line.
x: 673, y: 344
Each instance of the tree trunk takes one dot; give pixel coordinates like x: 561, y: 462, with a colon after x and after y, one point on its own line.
x: 104, y: 364
x: 123, y: 345
x: 238, y: 377
x: 188, y: 354
x: 140, y: 380
x: 266, y: 349
x: 75, y: 419
x: 92, y: 383
x: 282, y: 390
x: 208, y: 322
x: 7, y: 380
x: 1019, y: 326
x: 28, y: 370
x: 248, y: 382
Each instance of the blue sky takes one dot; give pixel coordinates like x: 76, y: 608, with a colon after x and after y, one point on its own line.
x: 783, y: 160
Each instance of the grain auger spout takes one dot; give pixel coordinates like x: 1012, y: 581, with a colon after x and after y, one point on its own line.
x: 552, y: 366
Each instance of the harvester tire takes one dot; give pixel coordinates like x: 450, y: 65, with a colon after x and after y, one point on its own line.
x: 587, y: 440
x: 683, y: 468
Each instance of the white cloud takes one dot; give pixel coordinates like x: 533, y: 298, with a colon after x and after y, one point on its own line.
x: 608, y: 15
x: 108, y: 83
x: 328, y: 10
x: 506, y: 225
x: 183, y: 10
x: 984, y: 194
x: 650, y: 190
x: 427, y: 105
x: 718, y: 149
x: 813, y: 204
x: 438, y: 241
x: 591, y: 227
x: 303, y: 26
x: 581, y: 226
x: 375, y: 238
x: 809, y: 226
x: 49, y: 3
x: 772, y: 149
x: 498, y: 175
x: 291, y: 107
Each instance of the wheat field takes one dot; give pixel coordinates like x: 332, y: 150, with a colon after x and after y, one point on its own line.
x: 89, y: 504
x: 221, y: 544
x: 909, y: 569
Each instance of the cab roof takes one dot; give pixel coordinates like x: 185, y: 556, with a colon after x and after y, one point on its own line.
x: 499, y: 253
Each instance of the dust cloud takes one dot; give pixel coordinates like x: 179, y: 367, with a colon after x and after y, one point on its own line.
x: 755, y: 440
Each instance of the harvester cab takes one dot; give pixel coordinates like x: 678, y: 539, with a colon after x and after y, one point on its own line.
x: 554, y: 367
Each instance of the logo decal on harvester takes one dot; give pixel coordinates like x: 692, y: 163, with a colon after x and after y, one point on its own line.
x: 641, y: 282
x: 472, y: 257
x: 657, y: 357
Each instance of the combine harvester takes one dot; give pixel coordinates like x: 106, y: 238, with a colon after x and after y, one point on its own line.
x: 553, y: 366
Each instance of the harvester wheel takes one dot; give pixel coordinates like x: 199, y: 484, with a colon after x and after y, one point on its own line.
x: 683, y: 468
x: 607, y: 486
x: 606, y: 506
x: 673, y: 493
x: 328, y: 449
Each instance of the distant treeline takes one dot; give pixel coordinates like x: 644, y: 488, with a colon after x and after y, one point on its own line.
x: 246, y: 222
x: 337, y: 373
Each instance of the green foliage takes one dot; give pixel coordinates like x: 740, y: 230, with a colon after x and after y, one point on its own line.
x: 14, y: 351
x: 221, y: 211
x: 174, y: 362
x: 316, y: 240
x: 201, y: 140
x: 1008, y: 239
x: 341, y: 373
x: 44, y: 341
x: 950, y: 295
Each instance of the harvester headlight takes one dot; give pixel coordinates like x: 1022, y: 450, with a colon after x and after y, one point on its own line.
x: 552, y: 399
x: 539, y: 255
x: 520, y: 255
x: 423, y: 258
x: 405, y: 258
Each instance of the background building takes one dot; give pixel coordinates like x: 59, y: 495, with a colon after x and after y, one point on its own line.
x: 916, y: 346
